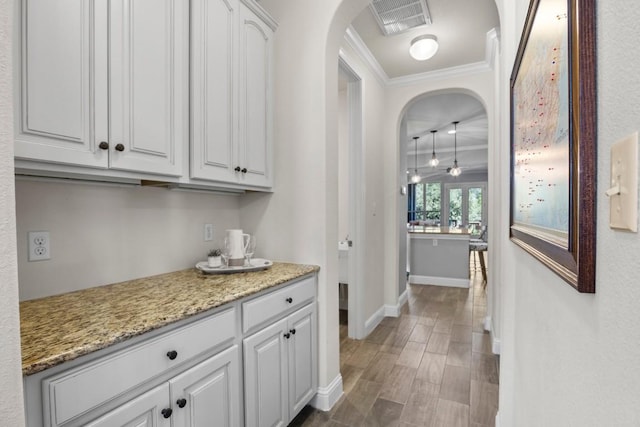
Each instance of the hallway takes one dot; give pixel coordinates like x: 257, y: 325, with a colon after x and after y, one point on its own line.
x: 432, y: 366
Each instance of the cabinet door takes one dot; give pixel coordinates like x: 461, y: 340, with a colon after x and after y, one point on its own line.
x: 255, y: 147
x: 148, y: 85
x: 265, y: 377
x: 209, y: 393
x: 302, y: 358
x: 54, y: 90
x: 143, y: 411
x: 214, y: 115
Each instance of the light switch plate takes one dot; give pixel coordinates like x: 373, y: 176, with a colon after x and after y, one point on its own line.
x: 623, y: 203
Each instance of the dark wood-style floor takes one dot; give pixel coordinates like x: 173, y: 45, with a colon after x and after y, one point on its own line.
x: 432, y: 366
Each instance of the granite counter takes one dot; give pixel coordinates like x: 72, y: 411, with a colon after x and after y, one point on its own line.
x: 64, y: 327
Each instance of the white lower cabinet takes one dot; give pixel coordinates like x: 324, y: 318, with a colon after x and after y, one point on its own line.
x: 205, y: 395
x: 147, y: 410
x: 192, y: 375
x: 209, y: 393
x: 301, y: 357
x: 265, y: 370
x: 280, y: 369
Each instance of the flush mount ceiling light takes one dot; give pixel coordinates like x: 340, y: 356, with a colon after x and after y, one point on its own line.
x: 416, y: 178
x: 455, y: 170
x: 434, y: 160
x: 423, y: 47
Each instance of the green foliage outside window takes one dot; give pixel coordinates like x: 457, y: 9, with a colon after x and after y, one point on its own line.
x: 428, y: 199
x: 475, y: 205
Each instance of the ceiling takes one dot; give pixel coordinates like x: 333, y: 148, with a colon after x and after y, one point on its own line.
x: 462, y: 28
x: 437, y: 112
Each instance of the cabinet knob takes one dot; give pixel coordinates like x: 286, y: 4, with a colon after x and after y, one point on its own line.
x: 166, y: 412
x: 237, y: 169
x: 104, y: 145
x: 119, y: 147
x: 287, y: 335
x: 172, y: 354
x: 293, y: 331
x: 289, y: 300
x: 244, y: 170
x: 181, y: 403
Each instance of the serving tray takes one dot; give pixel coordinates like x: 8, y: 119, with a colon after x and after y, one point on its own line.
x: 256, y: 265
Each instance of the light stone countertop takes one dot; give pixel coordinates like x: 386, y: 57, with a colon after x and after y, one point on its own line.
x: 420, y: 229
x: 64, y: 327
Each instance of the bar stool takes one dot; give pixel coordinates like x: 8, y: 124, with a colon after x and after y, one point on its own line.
x: 480, y: 245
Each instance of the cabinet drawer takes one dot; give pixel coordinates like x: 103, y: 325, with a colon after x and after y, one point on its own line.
x: 79, y: 390
x: 275, y: 304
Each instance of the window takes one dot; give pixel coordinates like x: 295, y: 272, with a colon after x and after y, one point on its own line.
x: 425, y: 201
x: 466, y: 205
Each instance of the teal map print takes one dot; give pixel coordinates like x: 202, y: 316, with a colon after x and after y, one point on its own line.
x: 541, y: 128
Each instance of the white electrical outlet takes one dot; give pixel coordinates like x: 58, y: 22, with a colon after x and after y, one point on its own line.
x: 39, y: 245
x: 208, y: 232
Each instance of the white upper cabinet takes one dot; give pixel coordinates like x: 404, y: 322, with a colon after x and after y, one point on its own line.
x: 214, y: 71
x: 103, y: 84
x: 144, y: 89
x: 54, y: 87
x: 231, y: 72
x: 255, y: 149
x: 148, y: 85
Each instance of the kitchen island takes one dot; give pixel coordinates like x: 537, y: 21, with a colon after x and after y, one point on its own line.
x: 438, y: 256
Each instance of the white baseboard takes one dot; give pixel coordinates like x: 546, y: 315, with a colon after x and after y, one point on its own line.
x: 404, y: 297
x: 495, y: 344
x: 497, y: 419
x: 373, y: 321
x: 394, y: 310
x: 487, y: 323
x: 328, y: 396
x: 495, y: 341
x: 439, y: 281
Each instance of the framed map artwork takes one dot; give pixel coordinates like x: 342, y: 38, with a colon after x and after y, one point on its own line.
x: 553, y: 139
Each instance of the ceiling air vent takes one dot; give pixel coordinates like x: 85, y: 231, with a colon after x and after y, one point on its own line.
x: 396, y: 16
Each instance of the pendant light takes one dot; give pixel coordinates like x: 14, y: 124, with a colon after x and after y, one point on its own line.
x: 434, y: 160
x: 455, y: 170
x: 416, y: 178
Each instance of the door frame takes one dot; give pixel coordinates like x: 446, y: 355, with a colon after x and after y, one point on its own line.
x: 356, y: 321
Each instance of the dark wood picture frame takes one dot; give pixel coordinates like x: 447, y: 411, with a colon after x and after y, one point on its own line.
x: 574, y: 260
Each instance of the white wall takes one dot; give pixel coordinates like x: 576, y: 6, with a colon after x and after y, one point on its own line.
x: 103, y: 234
x: 11, y: 404
x: 570, y: 359
x: 299, y: 222
x: 373, y: 101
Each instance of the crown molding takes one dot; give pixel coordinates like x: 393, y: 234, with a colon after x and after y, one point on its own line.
x: 492, y: 44
x: 353, y: 39
x: 445, y: 73
x: 357, y: 44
